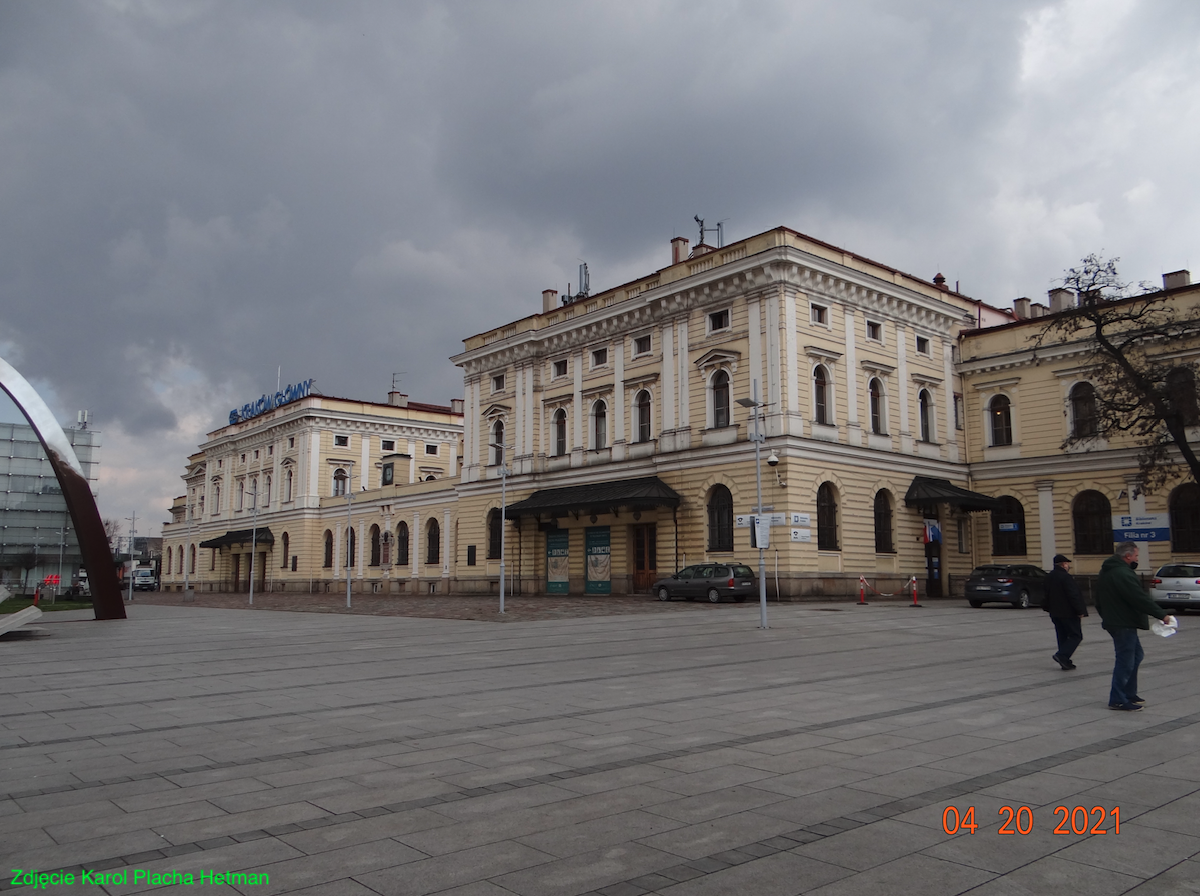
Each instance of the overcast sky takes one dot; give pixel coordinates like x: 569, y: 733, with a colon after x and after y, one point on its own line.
x: 196, y: 194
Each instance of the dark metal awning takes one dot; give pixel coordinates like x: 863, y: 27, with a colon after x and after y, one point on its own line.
x: 240, y: 536
x: 925, y: 491
x: 599, y: 497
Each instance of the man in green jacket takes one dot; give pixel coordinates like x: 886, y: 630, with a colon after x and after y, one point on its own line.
x: 1124, y: 606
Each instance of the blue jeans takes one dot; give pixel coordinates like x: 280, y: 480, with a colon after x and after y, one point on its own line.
x: 1128, y: 650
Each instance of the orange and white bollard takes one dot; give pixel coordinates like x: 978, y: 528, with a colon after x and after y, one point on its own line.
x: 862, y: 592
x: 914, y: 591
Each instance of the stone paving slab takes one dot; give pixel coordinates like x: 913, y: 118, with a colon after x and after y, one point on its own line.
x: 583, y: 747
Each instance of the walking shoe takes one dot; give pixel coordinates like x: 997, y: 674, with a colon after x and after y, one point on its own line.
x: 1069, y: 666
x: 1066, y: 664
x: 1138, y: 700
x: 1125, y: 707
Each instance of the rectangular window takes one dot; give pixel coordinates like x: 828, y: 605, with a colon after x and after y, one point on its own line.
x: 875, y: 330
x: 498, y: 383
x: 958, y: 411
x: 963, y: 546
x: 387, y: 445
x: 295, y: 561
x: 256, y: 454
x: 431, y: 449
x: 641, y: 345
x: 291, y: 441
x: 341, y: 441
x: 471, y: 555
x: 718, y: 320
x: 387, y: 475
x: 819, y: 314
x: 270, y: 451
x: 599, y: 357
x: 243, y: 458
x: 922, y: 345
x: 560, y: 367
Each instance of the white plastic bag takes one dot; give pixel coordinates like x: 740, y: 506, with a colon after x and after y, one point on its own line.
x: 1162, y: 629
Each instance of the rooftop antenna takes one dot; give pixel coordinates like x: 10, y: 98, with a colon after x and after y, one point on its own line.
x: 585, y: 286
x: 395, y: 379
x: 719, y: 230
x: 82, y: 418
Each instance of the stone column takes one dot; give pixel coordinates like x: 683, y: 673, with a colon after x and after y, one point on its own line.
x: 1045, y: 489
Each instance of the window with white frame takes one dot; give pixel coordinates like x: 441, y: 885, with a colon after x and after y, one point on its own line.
x: 241, y: 494
x: 560, y: 432
x: 267, y: 491
x: 641, y: 345
x: 718, y: 320
x: 874, y: 331
x: 341, y: 441
x: 599, y: 425
x: 642, y: 410
x: 819, y: 314
x: 822, y: 412
x: 720, y: 399
x: 878, y: 406
x: 959, y: 411
x: 923, y: 345
x: 431, y: 450
x: 498, y: 382
x: 387, y: 445
x: 497, y: 445
x: 340, y: 482
x: 925, y: 413
x: 1000, y: 415
x: 287, y: 486
x: 560, y: 368
x: 599, y: 357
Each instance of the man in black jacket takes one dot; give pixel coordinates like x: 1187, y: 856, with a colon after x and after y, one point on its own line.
x: 1066, y: 607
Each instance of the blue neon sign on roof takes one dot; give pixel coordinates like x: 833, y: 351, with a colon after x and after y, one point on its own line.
x: 268, y: 402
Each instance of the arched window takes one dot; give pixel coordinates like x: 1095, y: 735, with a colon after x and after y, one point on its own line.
x: 350, y: 558
x: 285, y: 542
x: 720, y: 519
x: 328, y: 562
x: 493, y: 530
x: 192, y: 559
x: 1185, y: 518
x: 433, y: 542
x: 720, y: 399
x: 402, y: 544
x: 599, y: 425
x: 821, y: 395
x: 1091, y: 515
x: 217, y: 497
x: 560, y: 432
x: 254, y: 493
x: 642, y: 404
x: 878, y: 414
x: 1083, y: 410
x: 241, y: 494
x: 287, y: 495
x: 884, y: 543
x: 827, y: 518
x: 340, y: 481
x: 171, y: 560
x: 498, y: 440
x: 267, y: 492
x: 1000, y: 412
x: 180, y: 555
x: 1181, y: 392
x: 925, y: 410
x: 375, y: 545
x: 1008, y: 528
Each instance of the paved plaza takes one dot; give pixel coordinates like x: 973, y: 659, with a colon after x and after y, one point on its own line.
x: 681, y: 752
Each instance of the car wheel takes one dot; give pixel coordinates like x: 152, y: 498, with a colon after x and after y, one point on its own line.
x: 975, y: 603
x: 664, y: 594
x: 714, y: 596
x: 1023, y: 600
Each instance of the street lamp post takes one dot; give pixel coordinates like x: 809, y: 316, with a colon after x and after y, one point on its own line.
x: 188, y: 556
x: 132, y: 533
x: 758, y: 438
x: 349, y: 530
x: 253, y: 536
x: 503, y: 505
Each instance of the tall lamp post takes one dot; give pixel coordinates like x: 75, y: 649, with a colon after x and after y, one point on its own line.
x: 503, y: 504
x: 349, y: 531
x: 187, y: 559
x: 132, y: 532
x: 253, y: 537
x: 759, y: 529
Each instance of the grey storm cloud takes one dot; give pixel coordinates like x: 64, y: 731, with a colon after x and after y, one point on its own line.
x: 198, y: 196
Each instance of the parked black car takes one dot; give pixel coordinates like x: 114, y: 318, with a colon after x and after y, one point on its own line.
x: 714, y: 581
x: 1016, y: 584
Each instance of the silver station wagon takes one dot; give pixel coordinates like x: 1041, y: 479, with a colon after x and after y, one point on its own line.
x: 714, y: 581
x: 1176, y: 586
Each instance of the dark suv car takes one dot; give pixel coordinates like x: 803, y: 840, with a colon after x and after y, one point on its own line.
x: 1016, y: 584
x: 715, y: 581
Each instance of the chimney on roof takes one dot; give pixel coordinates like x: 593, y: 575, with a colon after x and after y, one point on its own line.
x: 940, y: 282
x: 549, y: 300
x: 1061, y: 300
x: 1037, y: 309
x: 456, y: 404
x: 1021, y: 307
x: 1176, y: 279
x: 397, y: 399
x: 679, y: 249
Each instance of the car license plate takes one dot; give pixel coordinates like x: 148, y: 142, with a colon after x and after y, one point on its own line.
x: 983, y: 587
x: 747, y: 584
x: 1179, y: 595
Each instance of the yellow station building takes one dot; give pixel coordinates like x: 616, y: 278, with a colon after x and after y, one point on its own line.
x: 623, y: 422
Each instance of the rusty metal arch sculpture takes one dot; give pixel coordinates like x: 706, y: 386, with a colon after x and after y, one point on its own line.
x: 85, y: 515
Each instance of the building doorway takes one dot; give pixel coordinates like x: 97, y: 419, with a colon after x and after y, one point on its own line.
x: 645, y: 556
x: 933, y: 559
x: 236, y: 577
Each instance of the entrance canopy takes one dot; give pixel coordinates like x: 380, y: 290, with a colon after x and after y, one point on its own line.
x: 599, y: 497
x: 925, y: 492
x: 240, y: 536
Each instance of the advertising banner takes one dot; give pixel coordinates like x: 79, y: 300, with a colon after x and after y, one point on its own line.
x: 558, y: 557
x: 597, y: 547
x: 1141, y: 527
